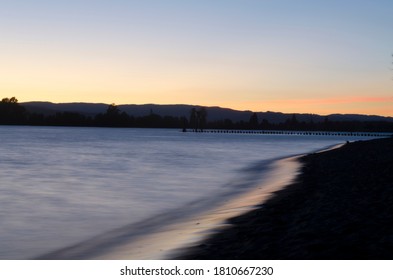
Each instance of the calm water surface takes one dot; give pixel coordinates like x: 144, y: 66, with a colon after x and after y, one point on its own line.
x: 60, y: 186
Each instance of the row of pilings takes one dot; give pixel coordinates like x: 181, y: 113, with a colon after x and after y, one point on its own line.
x: 300, y: 133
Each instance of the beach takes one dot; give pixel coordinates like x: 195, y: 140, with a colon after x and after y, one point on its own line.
x: 339, y: 207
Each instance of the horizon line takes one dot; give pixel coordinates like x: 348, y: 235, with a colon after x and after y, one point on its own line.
x: 207, y: 106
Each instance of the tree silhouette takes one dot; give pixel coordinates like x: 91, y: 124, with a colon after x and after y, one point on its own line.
x: 198, y: 119
x: 254, y: 121
x: 112, y: 110
x: 11, y: 112
x: 11, y: 100
x: 112, y: 117
x: 193, y: 119
x: 201, y: 117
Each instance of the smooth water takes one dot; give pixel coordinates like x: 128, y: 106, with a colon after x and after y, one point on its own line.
x: 60, y: 186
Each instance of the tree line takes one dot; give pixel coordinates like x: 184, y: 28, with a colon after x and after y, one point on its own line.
x: 13, y: 113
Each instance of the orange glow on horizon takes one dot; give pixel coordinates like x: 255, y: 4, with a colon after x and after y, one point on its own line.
x: 369, y: 105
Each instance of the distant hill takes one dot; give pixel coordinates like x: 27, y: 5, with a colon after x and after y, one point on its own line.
x: 48, y: 108
x: 213, y: 113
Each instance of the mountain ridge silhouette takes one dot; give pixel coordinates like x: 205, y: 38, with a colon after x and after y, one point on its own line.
x: 214, y: 113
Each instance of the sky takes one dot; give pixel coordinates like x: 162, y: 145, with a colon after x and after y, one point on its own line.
x: 268, y: 55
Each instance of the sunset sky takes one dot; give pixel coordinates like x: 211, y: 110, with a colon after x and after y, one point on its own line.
x: 278, y: 55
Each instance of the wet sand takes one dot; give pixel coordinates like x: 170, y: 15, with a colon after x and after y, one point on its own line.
x: 339, y: 207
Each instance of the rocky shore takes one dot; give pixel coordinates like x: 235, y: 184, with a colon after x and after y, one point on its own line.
x: 340, y: 207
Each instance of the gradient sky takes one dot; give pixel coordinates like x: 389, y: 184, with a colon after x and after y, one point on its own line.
x: 279, y: 55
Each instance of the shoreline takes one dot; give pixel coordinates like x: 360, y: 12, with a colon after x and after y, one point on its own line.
x: 151, y: 239
x: 339, y: 207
